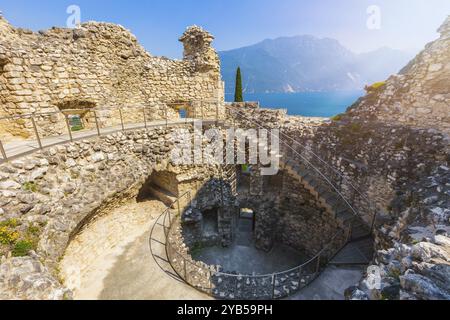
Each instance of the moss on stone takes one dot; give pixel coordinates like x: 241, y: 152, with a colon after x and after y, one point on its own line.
x: 375, y: 86
x: 22, y: 248
x: 30, y: 186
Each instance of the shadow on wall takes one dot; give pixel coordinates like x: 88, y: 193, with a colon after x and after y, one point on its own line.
x: 209, y: 220
x: 161, y: 185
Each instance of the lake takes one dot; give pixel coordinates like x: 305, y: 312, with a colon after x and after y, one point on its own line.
x: 309, y: 104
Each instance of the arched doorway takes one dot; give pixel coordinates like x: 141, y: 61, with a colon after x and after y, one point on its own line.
x: 78, y: 113
x: 246, y: 226
x: 210, y: 222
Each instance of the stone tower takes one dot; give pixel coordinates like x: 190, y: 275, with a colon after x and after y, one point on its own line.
x: 198, y: 49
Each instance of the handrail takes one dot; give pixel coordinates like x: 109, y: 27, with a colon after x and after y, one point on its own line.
x: 313, y: 153
x: 64, y: 130
x: 63, y: 111
x: 348, y: 182
x: 318, y: 171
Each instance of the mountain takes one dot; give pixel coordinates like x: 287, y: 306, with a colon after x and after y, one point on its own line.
x: 307, y: 63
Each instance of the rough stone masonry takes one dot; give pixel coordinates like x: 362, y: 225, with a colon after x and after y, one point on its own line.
x: 99, y: 65
x: 393, y: 144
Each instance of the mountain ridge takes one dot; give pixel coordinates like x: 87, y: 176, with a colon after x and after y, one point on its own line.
x: 307, y: 63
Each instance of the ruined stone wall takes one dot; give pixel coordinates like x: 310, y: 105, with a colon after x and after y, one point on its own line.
x: 420, y: 95
x: 387, y: 164
x: 100, y: 65
x: 304, y: 224
x: 62, y: 186
x: 194, y: 219
x: 47, y: 197
x: 167, y: 181
x: 393, y: 148
x: 288, y: 212
x: 402, y: 171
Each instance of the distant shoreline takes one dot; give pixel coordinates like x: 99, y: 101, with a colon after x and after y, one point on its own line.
x: 309, y: 104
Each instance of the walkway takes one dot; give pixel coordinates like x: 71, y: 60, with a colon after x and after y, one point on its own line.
x: 119, y: 265
x: 17, y: 149
x: 331, y: 284
x: 243, y: 257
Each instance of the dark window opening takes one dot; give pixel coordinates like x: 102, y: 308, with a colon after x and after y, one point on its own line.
x: 3, y: 63
x: 182, y: 113
x: 247, y: 220
x: 210, y: 222
x: 243, y: 178
x: 78, y: 113
x: 181, y: 108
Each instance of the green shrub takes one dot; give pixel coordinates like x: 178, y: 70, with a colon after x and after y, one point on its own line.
x: 33, y: 230
x: 375, y: 86
x: 337, y: 117
x: 21, y: 248
x: 10, y: 223
x: 30, y: 186
x: 8, y: 236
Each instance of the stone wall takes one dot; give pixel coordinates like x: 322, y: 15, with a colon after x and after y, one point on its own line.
x: 100, y: 66
x: 386, y: 163
x: 393, y: 148
x: 49, y: 196
x: 288, y: 213
x: 304, y: 223
x: 291, y: 215
x: 214, y: 194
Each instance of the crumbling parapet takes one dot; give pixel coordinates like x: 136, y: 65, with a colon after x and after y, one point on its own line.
x: 419, y: 95
x: 198, y: 50
x: 444, y: 29
x: 103, y: 64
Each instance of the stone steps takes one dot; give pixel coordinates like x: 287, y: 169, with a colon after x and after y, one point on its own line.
x: 355, y: 253
x: 231, y: 178
x: 327, y: 197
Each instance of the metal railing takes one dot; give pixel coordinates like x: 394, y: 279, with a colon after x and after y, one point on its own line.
x: 225, y: 285
x: 46, y: 129
x: 323, y: 171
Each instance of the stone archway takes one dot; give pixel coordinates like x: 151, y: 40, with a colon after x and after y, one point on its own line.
x: 161, y: 185
x: 182, y: 107
x: 78, y: 113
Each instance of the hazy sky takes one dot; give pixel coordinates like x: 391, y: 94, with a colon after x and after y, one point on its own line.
x: 404, y: 24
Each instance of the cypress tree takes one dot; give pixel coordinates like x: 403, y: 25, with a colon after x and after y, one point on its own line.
x: 238, y: 90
